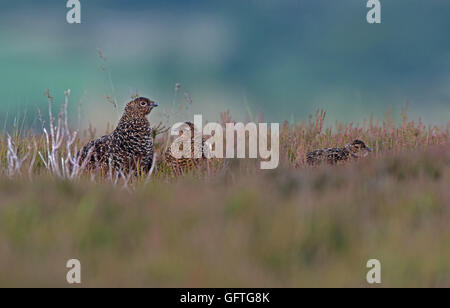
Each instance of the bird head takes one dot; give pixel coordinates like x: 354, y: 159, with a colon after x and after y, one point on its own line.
x: 140, y: 107
x: 359, y: 148
x: 186, y: 129
x: 190, y: 127
x: 188, y: 132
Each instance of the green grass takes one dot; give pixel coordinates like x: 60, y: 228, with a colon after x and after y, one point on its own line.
x: 238, y: 226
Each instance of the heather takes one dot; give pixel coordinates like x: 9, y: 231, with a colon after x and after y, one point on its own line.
x: 230, y: 224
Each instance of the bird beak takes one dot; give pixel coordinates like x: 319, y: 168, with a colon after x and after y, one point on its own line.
x: 155, y: 104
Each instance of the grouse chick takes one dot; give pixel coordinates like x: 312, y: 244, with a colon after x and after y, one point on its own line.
x: 130, y: 145
x: 356, y: 149
x: 188, y: 161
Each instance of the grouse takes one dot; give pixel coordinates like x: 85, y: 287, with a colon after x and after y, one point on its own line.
x: 356, y: 149
x: 188, y: 160
x: 129, y: 146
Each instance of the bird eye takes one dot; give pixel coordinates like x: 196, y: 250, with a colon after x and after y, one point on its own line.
x: 143, y: 103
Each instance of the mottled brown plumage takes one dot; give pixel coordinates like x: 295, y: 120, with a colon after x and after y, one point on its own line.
x: 130, y: 145
x: 198, y: 145
x: 355, y: 150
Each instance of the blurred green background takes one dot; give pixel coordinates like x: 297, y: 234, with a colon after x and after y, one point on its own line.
x: 283, y: 58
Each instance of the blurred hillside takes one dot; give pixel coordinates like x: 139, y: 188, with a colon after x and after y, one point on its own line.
x: 282, y: 58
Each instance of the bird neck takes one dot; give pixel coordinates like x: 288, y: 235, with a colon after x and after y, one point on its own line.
x: 133, y: 118
x: 351, y: 148
x: 127, y: 121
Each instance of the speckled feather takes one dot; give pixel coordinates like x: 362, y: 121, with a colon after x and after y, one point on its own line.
x: 130, y: 145
x: 354, y: 150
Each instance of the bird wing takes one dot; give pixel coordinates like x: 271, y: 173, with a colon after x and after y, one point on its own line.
x: 95, y: 151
